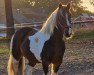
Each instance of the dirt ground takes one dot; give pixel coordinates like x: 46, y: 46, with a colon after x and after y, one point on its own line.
x: 78, y: 60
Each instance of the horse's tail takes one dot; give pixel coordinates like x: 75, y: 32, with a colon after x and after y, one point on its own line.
x: 10, y: 66
x: 16, y: 67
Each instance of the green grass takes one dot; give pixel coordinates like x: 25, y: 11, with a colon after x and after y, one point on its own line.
x: 84, y: 34
x: 4, y: 50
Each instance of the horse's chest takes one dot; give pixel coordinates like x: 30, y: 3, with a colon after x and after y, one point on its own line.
x: 37, y: 43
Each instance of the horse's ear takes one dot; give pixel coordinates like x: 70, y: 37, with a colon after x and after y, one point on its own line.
x: 60, y: 5
x: 69, y: 5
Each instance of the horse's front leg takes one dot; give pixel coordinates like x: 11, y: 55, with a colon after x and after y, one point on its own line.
x: 45, y: 68
x: 56, y: 68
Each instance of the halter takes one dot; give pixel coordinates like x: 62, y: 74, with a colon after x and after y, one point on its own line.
x: 70, y: 26
x: 63, y: 27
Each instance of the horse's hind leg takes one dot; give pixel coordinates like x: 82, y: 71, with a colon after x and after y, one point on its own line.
x: 28, y: 70
x: 12, y: 66
x: 15, y: 67
x: 19, y: 66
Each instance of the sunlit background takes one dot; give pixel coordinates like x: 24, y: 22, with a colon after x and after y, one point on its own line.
x: 86, y: 3
x: 77, y: 5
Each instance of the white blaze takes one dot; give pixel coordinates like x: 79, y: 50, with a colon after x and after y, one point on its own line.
x: 70, y: 30
x: 67, y: 20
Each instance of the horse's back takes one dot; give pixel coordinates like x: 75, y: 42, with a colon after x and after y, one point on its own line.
x: 17, y: 40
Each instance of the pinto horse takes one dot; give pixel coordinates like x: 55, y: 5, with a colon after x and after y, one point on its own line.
x: 45, y: 46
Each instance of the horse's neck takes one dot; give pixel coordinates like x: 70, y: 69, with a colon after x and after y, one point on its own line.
x: 42, y: 35
x: 50, y: 23
x: 57, y: 35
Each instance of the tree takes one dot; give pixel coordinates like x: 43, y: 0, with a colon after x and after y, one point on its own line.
x: 76, y: 7
x: 9, y: 18
x: 51, y: 5
x: 20, y: 4
x: 92, y: 2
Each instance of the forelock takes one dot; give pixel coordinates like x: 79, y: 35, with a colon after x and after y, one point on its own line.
x: 63, y: 11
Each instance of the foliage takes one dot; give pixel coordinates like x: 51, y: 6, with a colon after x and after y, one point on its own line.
x: 76, y: 9
x: 92, y: 2
x: 4, y: 50
x: 20, y: 4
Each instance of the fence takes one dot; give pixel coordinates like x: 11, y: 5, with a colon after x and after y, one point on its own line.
x: 35, y: 25
x: 38, y: 25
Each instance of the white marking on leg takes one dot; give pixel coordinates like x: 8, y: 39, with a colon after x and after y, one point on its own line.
x: 15, y: 66
x: 28, y: 70
x: 55, y: 73
x: 49, y: 70
x: 52, y: 69
x: 37, y: 42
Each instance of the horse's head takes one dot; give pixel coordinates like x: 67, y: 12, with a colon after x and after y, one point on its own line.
x: 64, y: 19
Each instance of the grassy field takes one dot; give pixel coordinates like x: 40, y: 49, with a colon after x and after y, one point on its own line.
x: 4, y: 48
x: 84, y: 33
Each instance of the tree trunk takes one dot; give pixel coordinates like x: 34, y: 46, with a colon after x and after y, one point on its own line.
x: 9, y: 18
